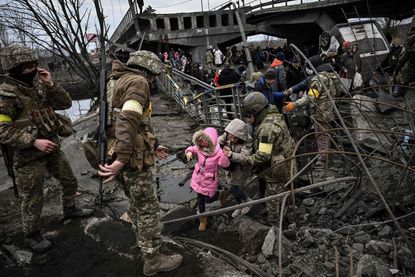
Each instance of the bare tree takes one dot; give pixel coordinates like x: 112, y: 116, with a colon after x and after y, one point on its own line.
x: 59, y: 26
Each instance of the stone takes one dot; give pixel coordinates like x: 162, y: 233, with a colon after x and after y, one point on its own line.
x: 378, y: 248
x: 385, y: 232
x: 364, y: 116
x: 308, y: 202
x: 323, y: 211
x: 261, y: 259
x: 406, y: 258
x: 357, y: 250
x: 361, y: 237
x: 290, y: 234
x: 384, y: 97
x: 270, y: 245
x: 22, y: 257
x: 372, y: 266
x: 329, y: 265
x: 308, y: 239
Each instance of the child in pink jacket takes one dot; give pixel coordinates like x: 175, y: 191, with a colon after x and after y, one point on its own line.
x: 205, y: 178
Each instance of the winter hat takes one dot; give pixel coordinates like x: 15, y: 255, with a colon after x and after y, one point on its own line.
x: 280, y: 56
x: 270, y: 74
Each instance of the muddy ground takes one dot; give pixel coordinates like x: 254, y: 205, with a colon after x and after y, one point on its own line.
x: 105, y: 245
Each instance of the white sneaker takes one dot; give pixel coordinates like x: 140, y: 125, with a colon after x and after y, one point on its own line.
x: 236, y: 213
x: 245, y: 210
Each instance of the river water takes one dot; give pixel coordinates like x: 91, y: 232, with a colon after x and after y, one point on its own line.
x: 79, y: 108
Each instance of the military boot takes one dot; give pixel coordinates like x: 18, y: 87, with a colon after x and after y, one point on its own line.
x: 75, y: 212
x: 161, y: 263
x: 37, y: 243
x: 203, y: 223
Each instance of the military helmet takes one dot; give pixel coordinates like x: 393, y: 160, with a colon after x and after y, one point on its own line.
x: 254, y: 102
x: 15, y: 55
x: 147, y: 60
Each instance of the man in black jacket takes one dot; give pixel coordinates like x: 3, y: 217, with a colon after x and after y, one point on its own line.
x: 228, y: 76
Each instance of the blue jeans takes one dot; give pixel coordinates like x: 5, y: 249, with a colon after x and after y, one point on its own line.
x: 238, y: 194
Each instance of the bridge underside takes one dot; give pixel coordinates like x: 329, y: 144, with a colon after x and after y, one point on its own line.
x: 300, y: 24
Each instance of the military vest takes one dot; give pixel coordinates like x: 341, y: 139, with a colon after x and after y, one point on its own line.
x: 36, y: 116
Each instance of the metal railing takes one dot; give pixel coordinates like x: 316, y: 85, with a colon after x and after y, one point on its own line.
x: 207, y: 105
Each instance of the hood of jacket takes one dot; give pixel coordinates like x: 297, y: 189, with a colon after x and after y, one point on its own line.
x: 119, y: 69
x: 210, y: 135
x: 276, y: 62
x: 238, y: 128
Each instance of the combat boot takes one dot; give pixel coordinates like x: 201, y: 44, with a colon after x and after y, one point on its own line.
x: 75, y: 212
x: 161, y: 263
x: 37, y: 243
x: 203, y: 223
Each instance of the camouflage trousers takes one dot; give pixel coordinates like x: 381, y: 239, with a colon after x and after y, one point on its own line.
x: 30, y: 179
x: 274, y: 185
x: 407, y: 72
x: 322, y: 140
x: 144, y: 209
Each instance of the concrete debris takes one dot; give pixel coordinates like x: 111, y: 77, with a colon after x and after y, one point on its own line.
x: 361, y: 110
x: 378, y: 248
x: 372, y: 266
x: 270, y: 245
x: 22, y: 257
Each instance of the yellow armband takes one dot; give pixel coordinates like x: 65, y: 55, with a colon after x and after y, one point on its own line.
x: 5, y: 118
x: 133, y: 105
x: 265, y: 147
x: 314, y: 93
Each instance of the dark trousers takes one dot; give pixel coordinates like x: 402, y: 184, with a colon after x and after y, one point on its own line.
x: 238, y: 194
x: 203, y: 199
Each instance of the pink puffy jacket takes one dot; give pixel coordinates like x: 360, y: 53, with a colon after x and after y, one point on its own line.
x: 205, y: 178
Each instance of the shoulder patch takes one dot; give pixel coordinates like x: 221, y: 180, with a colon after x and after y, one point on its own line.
x: 7, y: 90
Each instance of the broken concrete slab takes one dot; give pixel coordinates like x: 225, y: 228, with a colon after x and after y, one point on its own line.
x: 372, y: 266
x: 22, y: 257
x: 271, y: 244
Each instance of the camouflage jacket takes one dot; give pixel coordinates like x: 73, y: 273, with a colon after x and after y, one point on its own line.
x: 132, y: 97
x: 271, y: 138
x: 27, y: 114
x: 317, y: 97
x: 409, y: 45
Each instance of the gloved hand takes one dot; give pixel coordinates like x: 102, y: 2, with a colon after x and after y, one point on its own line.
x: 288, y: 91
x: 288, y: 108
x: 189, y: 156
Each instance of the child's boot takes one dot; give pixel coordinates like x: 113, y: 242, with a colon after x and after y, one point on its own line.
x: 202, y: 223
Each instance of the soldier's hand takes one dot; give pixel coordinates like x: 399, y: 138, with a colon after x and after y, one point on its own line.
x: 110, y: 170
x: 45, y: 145
x: 161, y: 152
x: 227, y: 151
x: 44, y: 77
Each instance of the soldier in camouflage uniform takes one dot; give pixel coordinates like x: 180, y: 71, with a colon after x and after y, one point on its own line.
x: 29, y: 126
x: 272, y: 144
x: 135, y: 149
x: 405, y: 69
x: 321, y: 108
